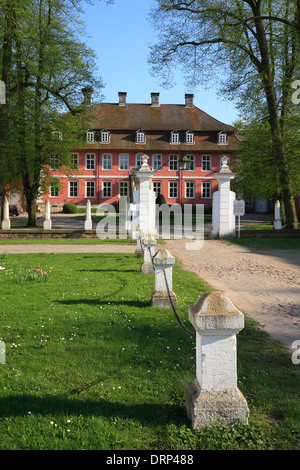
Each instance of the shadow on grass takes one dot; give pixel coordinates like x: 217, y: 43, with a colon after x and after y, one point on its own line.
x: 146, y: 413
x: 97, y: 302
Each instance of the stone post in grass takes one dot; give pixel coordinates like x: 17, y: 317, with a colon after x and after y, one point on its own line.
x: 47, y: 221
x: 214, y: 396
x: 163, y: 262
x: 277, y: 220
x: 88, y: 224
x: 6, y: 220
x: 149, y: 243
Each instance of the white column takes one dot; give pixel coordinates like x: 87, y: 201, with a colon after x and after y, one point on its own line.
x: 223, y: 217
x: 6, y: 220
x: 146, y: 199
x: 47, y: 221
x: 88, y: 224
x: 277, y: 220
x: 214, y: 396
x: 163, y: 262
x: 149, y: 243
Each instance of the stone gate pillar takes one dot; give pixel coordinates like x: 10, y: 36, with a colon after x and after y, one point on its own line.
x: 223, y: 217
x: 6, y: 220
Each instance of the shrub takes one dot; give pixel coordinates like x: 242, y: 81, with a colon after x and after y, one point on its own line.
x: 160, y: 199
x: 70, y: 208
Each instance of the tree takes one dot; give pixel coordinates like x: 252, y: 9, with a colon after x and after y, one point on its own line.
x: 253, y: 42
x: 44, y: 66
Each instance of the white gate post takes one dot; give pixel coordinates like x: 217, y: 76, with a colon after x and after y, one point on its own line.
x: 214, y: 396
x: 277, y: 221
x: 223, y: 217
x: 88, y: 224
x: 47, y: 221
x: 163, y: 262
x: 6, y: 220
x: 149, y: 243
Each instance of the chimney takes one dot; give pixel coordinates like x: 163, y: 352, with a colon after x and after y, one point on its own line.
x: 87, y: 95
x: 189, y: 100
x: 155, y: 99
x: 122, y: 98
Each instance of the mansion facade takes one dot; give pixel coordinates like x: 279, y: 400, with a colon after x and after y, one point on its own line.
x: 184, y: 145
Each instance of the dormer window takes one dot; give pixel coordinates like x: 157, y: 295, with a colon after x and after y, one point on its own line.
x: 90, y: 137
x: 57, y: 135
x: 189, y: 138
x: 140, y: 137
x: 105, y: 137
x: 222, y: 138
x: 174, y: 137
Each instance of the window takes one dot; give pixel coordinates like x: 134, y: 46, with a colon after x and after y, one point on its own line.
x: 57, y: 135
x: 106, y: 189
x: 189, y: 162
x: 222, y: 138
x: 173, y: 162
x: 206, y: 162
x: 248, y: 201
x: 90, y: 188
x: 105, y: 137
x: 90, y: 137
x: 156, y: 162
x: 54, y: 189
x: 173, y: 189
x: 54, y: 162
x: 189, y: 138
x: 106, y: 161
x: 190, y: 189
x: 140, y: 137
x: 138, y: 160
x: 123, y: 188
x: 73, y: 188
x: 90, y: 161
x: 74, y: 161
x: 123, y: 161
x: 174, y: 137
x: 206, y: 190
x: 157, y: 187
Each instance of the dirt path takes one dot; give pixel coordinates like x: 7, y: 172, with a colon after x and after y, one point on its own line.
x: 263, y: 284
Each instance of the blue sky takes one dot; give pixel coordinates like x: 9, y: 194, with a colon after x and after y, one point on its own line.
x: 120, y: 35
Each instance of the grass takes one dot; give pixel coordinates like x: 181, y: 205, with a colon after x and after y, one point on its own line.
x: 268, y: 243
x: 69, y: 241
x: 91, y: 365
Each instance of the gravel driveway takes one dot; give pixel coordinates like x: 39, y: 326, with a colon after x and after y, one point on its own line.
x: 263, y: 284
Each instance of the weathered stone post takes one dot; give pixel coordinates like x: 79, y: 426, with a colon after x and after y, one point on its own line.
x: 88, y: 224
x: 277, y: 221
x: 149, y: 243
x: 163, y: 262
x: 6, y: 220
x: 223, y: 218
x: 47, y: 221
x: 214, y: 396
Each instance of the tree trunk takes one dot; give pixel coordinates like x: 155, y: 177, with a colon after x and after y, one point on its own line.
x: 31, y: 208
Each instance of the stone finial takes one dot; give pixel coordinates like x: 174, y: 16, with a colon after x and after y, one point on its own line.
x: 224, y: 165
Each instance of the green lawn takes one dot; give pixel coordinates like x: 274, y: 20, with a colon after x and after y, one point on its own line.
x: 90, y: 364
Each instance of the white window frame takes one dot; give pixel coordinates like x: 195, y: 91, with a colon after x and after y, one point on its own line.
x: 90, y: 183
x: 90, y: 137
x: 122, y: 157
x: 122, y: 185
x: 206, y: 189
x: 172, y: 186
x: 105, y: 137
x: 87, y: 158
x: 190, y: 186
x: 105, y: 188
x: 172, y: 163
x: 157, y: 160
x: 73, y: 183
x: 107, y: 161
x: 140, y: 137
x: 206, y: 161
x: 189, y: 138
x: 74, y: 165
x: 54, y: 162
x: 174, y: 138
x: 222, y: 138
x: 54, y: 189
x: 157, y: 185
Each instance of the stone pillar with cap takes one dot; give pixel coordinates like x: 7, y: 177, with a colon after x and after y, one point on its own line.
x: 223, y: 221
x: 88, y: 224
x: 6, y: 220
x: 149, y: 243
x: 277, y: 220
x: 214, y: 398
x: 163, y: 263
x: 47, y: 221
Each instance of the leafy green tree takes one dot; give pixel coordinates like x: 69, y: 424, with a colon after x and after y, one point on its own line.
x: 251, y: 47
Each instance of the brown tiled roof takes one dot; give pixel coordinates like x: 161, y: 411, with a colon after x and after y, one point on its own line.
x: 166, y: 117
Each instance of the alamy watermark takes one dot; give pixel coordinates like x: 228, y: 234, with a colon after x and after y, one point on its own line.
x: 296, y: 94
x: 187, y: 223
x: 296, y: 354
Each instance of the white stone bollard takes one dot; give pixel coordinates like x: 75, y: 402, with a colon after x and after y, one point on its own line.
x: 88, y: 224
x: 214, y: 396
x: 6, y: 220
x: 163, y: 262
x: 149, y: 243
x: 47, y: 221
x: 277, y: 220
